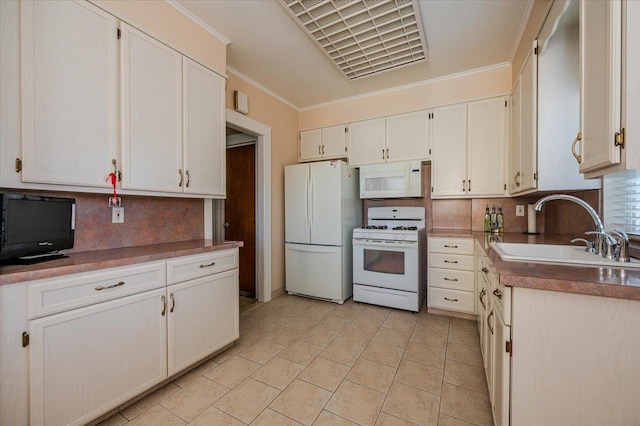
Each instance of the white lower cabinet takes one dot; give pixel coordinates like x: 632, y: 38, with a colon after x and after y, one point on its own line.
x: 451, y: 274
x: 86, y: 361
x: 97, y: 339
x: 203, y: 317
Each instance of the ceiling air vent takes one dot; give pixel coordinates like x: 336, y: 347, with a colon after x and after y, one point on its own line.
x: 363, y: 37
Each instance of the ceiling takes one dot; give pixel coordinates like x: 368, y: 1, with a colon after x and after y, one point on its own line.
x: 270, y: 48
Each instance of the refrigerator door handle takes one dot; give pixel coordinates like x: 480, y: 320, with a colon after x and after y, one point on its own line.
x: 306, y: 213
x: 310, y: 214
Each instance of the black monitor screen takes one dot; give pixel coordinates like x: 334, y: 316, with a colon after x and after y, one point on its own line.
x: 32, y: 221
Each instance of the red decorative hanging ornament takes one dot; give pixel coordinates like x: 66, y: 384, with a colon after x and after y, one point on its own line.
x: 114, y: 201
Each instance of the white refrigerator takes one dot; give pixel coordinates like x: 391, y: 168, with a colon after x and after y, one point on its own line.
x: 322, y: 207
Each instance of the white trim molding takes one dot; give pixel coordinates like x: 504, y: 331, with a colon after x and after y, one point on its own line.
x: 208, y: 28
x: 262, y: 132
x: 261, y: 87
x: 407, y: 86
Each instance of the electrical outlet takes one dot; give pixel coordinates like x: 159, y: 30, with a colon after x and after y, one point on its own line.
x: 117, y: 214
x: 519, y: 210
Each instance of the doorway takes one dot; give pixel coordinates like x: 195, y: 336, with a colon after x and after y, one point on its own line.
x: 261, y: 134
x: 240, y: 208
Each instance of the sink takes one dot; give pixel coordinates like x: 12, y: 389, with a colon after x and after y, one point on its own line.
x: 549, y: 253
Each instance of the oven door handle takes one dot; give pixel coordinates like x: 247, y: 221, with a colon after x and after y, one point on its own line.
x: 386, y: 244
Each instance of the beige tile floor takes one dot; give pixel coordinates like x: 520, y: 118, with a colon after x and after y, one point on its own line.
x: 302, y: 361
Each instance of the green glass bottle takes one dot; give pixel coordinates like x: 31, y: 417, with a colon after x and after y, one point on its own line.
x: 487, y: 220
x: 500, y: 219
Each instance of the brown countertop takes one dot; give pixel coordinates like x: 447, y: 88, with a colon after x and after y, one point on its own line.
x: 618, y: 282
x: 100, y: 259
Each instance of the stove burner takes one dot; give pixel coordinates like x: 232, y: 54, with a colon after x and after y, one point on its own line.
x: 375, y: 227
x: 405, y: 228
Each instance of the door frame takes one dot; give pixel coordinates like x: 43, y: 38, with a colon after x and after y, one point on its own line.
x: 262, y: 132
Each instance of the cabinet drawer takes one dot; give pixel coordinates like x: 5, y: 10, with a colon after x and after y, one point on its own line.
x: 447, y: 278
x: 451, y: 245
x: 451, y: 261
x: 50, y: 296
x: 452, y: 300
x: 201, y: 265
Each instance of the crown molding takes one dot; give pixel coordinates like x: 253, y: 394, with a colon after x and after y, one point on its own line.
x: 208, y: 28
x: 261, y: 87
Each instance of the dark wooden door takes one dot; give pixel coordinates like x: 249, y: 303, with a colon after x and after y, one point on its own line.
x: 240, y: 211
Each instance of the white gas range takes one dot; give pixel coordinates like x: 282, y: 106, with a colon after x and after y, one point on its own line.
x: 389, y: 258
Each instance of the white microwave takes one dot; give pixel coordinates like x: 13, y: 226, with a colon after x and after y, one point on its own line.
x: 391, y: 180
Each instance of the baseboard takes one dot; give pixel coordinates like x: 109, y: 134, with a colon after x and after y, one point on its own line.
x: 277, y: 293
x: 452, y: 314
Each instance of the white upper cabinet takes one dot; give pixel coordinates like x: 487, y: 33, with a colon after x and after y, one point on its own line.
x: 367, y: 142
x: 172, y: 120
x: 323, y: 144
x: 601, y: 49
x: 334, y: 141
x: 151, y: 114
x: 310, y: 145
x: 408, y: 136
x: 486, y: 140
x: 469, y: 149
x: 204, y: 124
x: 69, y: 93
x: 610, y: 87
x: 449, y: 159
x: 395, y: 138
x: 523, y: 164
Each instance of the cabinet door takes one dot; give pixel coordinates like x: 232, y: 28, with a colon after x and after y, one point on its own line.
x: 528, y: 123
x: 449, y: 162
x: 600, y: 55
x: 84, y: 362
x: 514, y: 144
x: 501, y: 371
x: 151, y: 113
x: 486, y: 132
x: 367, y: 142
x: 408, y: 136
x: 310, y: 144
x: 203, y: 317
x: 204, y: 123
x: 69, y: 104
x: 334, y: 142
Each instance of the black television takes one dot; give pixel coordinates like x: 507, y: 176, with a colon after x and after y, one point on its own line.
x: 33, y: 226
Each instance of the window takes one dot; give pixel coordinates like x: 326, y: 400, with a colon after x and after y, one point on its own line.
x: 622, y: 201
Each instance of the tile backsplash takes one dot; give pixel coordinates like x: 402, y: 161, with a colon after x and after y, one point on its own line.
x: 556, y: 217
x: 147, y: 220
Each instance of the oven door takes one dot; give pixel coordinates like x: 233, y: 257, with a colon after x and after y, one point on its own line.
x: 387, y: 264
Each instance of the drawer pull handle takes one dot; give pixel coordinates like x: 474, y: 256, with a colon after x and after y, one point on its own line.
x: 450, y: 261
x: 485, y: 270
x: 119, y: 284
x: 450, y: 300
x: 448, y: 246
x: 164, y: 305
x: 497, y: 293
x: 481, y: 297
x: 173, y: 302
x: 451, y: 279
x: 208, y: 265
x: 489, y: 322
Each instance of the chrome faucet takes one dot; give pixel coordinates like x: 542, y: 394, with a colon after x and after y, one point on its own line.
x: 600, y: 244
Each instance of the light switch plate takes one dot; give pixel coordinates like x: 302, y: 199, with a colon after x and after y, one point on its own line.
x: 519, y: 210
x: 117, y: 214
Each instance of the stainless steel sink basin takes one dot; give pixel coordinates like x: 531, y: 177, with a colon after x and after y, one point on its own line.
x: 549, y: 253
